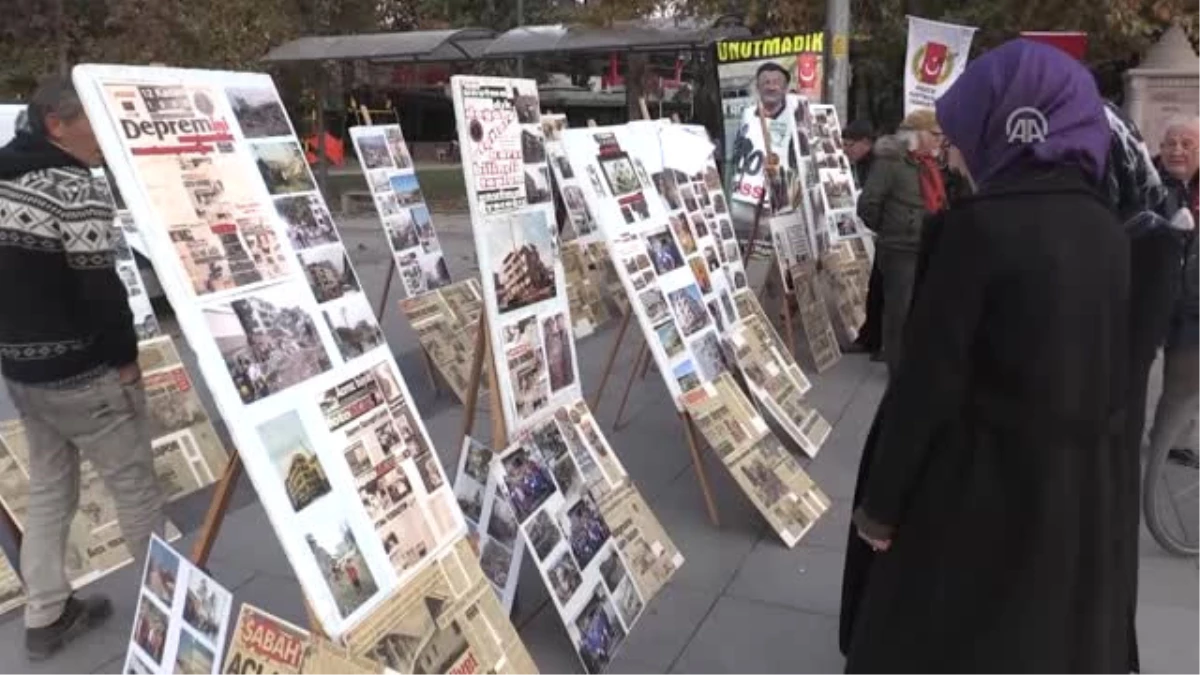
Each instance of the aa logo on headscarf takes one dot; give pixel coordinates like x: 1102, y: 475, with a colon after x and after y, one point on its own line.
x: 1026, y: 125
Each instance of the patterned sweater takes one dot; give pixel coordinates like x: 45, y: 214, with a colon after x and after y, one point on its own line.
x: 64, y: 314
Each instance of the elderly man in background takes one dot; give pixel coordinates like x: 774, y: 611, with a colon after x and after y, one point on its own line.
x: 905, y: 185
x: 68, y: 354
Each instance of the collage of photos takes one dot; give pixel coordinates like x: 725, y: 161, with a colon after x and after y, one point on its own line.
x: 839, y: 193
x: 583, y: 227
x: 399, y: 482
x: 182, y: 617
x: 573, y: 545
x: 770, y: 476
x: 814, y: 317
x: 407, y: 223
x: 491, y: 522
x: 446, y: 322
x: 498, y: 120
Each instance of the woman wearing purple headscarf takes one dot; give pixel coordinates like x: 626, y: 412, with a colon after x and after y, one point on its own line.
x: 992, y: 527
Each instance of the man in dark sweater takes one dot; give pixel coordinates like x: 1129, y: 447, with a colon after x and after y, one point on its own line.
x: 68, y: 354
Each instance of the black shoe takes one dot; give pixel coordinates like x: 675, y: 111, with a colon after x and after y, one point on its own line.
x: 78, y: 617
x: 1184, y: 456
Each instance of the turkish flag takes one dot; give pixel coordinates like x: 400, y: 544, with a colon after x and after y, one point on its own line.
x: 808, y: 75
x: 933, y: 63
x: 1073, y: 43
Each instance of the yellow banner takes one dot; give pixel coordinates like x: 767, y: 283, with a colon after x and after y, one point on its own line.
x: 730, y: 51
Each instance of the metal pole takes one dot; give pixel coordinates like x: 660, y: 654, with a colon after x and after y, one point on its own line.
x: 520, y: 22
x: 837, y: 55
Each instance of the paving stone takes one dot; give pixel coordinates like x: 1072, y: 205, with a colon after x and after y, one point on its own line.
x: 805, y: 578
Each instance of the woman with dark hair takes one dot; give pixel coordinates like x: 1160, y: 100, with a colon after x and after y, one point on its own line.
x: 992, y: 528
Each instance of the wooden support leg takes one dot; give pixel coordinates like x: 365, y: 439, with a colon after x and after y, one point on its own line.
x: 473, y: 380
x: 643, y: 353
x: 216, y: 511
x: 709, y: 503
x: 612, y: 358
x: 499, y: 429
x: 433, y: 381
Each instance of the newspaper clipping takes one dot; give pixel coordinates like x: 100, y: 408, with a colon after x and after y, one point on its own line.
x: 814, y: 317
x: 769, y: 475
x: 446, y: 322
x: 182, y: 617
x: 778, y: 383
x: 392, y: 179
x: 263, y: 643
x: 445, y: 620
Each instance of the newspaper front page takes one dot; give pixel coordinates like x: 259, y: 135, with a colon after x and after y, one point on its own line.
x: 446, y: 321
x: 445, y: 620
x: 769, y: 475
x: 814, y: 317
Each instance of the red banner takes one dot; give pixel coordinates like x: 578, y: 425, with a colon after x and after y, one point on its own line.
x: 1073, y: 43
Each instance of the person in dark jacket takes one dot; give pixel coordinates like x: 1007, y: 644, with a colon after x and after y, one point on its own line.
x: 905, y: 185
x: 858, y: 139
x: 989, y: 522
x: 1175, y: 415
x: 69, y: 358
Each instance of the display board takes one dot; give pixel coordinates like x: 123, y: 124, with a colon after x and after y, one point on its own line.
x: 9, y: 114
x: 491, y: 524
x: 516, y: 242
x: 264, y: 643
x: 839, y: 193
x: 446, y: 321
x: 769, y: 475
x: 181, y: 619
x: 597, y: 546
x: 582, y: 224
x: 210, y: 166
x: 445, y: 620
x: 405, y: 216
x: 670, y: 239
x: 587, y: 290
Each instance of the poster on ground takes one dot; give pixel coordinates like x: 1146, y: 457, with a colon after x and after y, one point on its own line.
x: 211, y: 168
x: 407, y: 223
x: 181, y: 618
x: 937, y: 54
x: 516, y: 241
x: 598, y: 548
x: 445, y: 620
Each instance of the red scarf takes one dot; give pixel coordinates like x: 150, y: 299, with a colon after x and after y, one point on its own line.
x: 933, y: 190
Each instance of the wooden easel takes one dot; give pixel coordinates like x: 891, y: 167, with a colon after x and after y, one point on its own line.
x: 365, y: 114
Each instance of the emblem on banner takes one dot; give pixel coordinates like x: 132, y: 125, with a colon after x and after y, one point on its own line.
x: 933, y: 63
x: 1026, y: 125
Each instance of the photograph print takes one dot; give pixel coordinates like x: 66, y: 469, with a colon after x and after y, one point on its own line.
x: 434, y: 271
x: 597, y: 631
x: 689, y: 309
x: 282, y: 167
x: 502, y: 522
x: 206, y: 605
x: 543, y: 534
x: 269, y: 343
x: 495, y: 559
x: 585, y: 529
x: 402, y: 230
x: 477, y: 460
x: 654, y: 304
x: 395, y: 141
x: 162, y: 571
x: 663, y: 251
x: 470, y: 499
x: 192, y: 657
x: 537, y: 184
x: 528, y: 482
x: 527, y: 369
x: 668, y: 336
x: 150, y: 628
x: 679, y: 226
x: 628, y: 601
x: 307, y: 221
x: 258, y: 112
x: 295, y: 459
x: 558, y: 341
x: 521, y: 259
x: 686, y: 377
x: 329, y: 273
x: 709, y: 358
x: 533, y: 146
x: 564, y: 576
x: 354, y: 328
x: 373, y: 151
x: 700, y: 269
x: 621, y: 177
x: 408, y: 191
x: 342, y: 563
x: 839, y: 190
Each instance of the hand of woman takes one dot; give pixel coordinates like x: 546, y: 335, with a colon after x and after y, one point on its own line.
x: 877, y: 545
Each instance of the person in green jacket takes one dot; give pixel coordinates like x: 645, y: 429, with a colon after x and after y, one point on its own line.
x: 904, y: 186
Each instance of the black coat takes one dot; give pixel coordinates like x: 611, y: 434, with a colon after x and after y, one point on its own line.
x: 999, y: 451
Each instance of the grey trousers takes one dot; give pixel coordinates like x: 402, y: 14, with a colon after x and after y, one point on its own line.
x: 898, y: 270
x: 1177, y: 407
x: 104, y: 422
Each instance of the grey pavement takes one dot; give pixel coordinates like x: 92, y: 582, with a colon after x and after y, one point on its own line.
x: 741, y: 603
